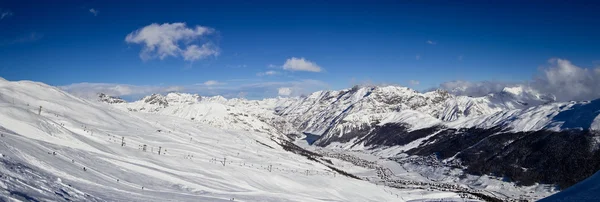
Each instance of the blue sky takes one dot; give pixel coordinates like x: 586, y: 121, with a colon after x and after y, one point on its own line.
x: 420, y: 44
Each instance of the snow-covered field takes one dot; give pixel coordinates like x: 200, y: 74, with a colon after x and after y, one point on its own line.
x: 73, y: 150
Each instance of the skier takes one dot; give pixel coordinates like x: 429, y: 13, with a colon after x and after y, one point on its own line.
x: 84, y: 169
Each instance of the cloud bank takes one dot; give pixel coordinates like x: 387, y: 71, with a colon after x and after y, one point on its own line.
x: 474, y: 89
x: 230, y: 89
x: 561, y: 78
x: 90, y: 90
x: 174, y: 40
x: 568, y: 82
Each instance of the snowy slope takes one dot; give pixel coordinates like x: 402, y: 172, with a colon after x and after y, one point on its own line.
x: 553, y: 116
x: 44, y: 156
x: 416, y: 120
x: 587, y: 190
x: 215, y: 111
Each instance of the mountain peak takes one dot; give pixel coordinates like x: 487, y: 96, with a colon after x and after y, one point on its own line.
x: 515, y: 90
x: 109, y: 99
x: 218, y: 99
x: 182, y: 98
x: 156, y: 99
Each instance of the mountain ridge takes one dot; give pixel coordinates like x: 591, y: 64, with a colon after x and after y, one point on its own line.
x: 395, y: 120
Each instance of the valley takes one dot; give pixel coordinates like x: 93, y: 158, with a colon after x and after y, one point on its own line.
x: 360, y: 144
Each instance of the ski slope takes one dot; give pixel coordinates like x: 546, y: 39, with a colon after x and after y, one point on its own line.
x: 73, y: 151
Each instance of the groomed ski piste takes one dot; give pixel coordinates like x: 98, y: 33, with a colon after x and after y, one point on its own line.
x: 73, y: 149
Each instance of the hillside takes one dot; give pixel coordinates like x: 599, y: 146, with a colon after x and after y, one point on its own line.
x: 73, y: 151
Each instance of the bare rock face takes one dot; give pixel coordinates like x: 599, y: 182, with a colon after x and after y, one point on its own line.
x: 110, y: 99
x: 156, y: 99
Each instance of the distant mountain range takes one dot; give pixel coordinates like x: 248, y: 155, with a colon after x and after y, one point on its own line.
x: 516, y: 133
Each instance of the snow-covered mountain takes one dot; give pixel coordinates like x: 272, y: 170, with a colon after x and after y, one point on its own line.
x: 392, y: 121
x: 326, y: 112
x: 334, y: 113
x: 217, y: 111
x: 58, y: 147
x: 501, y: 145
x: 342, y: 116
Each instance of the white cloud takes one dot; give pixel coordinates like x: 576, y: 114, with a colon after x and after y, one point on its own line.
x: 5, y: 14
x: 174, y: 89
x: 267, y: 73
x: 168, y: 40
x: 231, y: 89
x: 94, y: 11
x: 284, y: 91
x: 272, y: 66
x: 259, y: 90
x: 212, y: 83
x: 475, y: 89
x: 430, y: 42
x: 300, y: 64
x: 562, y: 79
x: 193, y: 52
x: 418, y: 57
x: 567, y: 81
x: 90, y: 90
x: 413, y: 82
